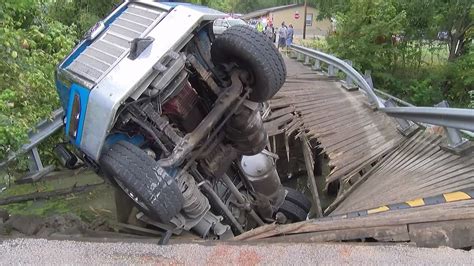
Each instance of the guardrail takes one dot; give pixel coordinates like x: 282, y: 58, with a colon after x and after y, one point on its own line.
x: 452, y: 119
x: 42, y: 130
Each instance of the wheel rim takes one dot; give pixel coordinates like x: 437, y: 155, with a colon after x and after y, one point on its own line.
x: 131, y: 195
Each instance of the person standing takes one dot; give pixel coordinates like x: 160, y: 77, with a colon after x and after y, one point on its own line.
x: 282, y: 32
x: 259, y: 26
x: 289, y: 35
x: 270, y: 32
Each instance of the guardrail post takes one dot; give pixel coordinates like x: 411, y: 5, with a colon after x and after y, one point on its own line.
x: 317, y: 65
x: 368, y: 78
x: 331, y: 71
x: 293, y: 54
x: 35, y: 163
x: 300, y: 57
x: 455, y: 142
x: 37, y: 170
x: 349, y: 83
x: 407, y: 128
x: 306, y: 61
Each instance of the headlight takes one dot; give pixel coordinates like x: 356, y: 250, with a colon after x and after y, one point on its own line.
x: 75, y: 116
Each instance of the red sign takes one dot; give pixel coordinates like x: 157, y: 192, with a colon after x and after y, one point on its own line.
x: 297, y: 15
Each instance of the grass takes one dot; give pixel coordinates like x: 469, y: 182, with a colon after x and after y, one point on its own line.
x: 436, y: 54
x: 97, y: 204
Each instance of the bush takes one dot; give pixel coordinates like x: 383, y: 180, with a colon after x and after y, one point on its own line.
x: 319, y: 44
x: 459, y: 81
x: 31, y: 46
x: 391, y: 39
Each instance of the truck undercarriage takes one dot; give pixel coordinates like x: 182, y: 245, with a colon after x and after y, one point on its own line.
x: 187, y: 142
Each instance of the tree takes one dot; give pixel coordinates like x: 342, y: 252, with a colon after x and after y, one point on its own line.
x: 457, y: 18
x: 364, y: 33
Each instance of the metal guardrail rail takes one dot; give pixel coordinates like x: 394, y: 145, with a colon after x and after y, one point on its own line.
x: 452, y: 119
x: 42, y: 131
x: 449, y: 117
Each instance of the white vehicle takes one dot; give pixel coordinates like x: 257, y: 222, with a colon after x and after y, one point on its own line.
x: 171, y: 116
x: 220, y: 25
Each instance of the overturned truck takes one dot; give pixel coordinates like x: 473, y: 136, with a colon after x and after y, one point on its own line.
x: 172, y: 116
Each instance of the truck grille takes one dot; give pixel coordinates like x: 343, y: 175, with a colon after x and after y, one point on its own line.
x: 107, y: 49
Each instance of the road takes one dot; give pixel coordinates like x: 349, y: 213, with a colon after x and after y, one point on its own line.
x: 53, y: 252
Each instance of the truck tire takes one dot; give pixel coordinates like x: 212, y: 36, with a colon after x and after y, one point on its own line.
x: 293, y: 212
x: 298, y: 198
x: 251, y: 50
x: 150, y: 186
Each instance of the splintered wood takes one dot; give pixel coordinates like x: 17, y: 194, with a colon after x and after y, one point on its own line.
x: 416, y: 169
x: 348, y: 130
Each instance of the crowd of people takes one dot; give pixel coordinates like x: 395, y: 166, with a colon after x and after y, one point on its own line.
x: 285, y: 33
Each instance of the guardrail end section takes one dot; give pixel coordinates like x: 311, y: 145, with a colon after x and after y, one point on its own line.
x: 405, y: 127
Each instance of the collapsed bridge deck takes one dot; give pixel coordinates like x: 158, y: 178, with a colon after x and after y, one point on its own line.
x: 348, y: 130
x: 412, y: 185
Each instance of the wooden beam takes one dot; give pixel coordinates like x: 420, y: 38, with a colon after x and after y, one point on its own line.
x: 460, y: 210
x: 398, y: 233
x: 454, y: 234
x: 308, y: 159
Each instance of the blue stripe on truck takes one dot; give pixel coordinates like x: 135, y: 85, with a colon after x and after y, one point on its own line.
x: 83, y: 94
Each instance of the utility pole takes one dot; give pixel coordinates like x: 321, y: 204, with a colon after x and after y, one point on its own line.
x: 304, y: 18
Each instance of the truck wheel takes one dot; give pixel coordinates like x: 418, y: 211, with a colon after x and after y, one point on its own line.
x: 150, y: 186
x: 292, y: 212
x: 296, y: 206
x: 251, y: 50
x: 298, y: 199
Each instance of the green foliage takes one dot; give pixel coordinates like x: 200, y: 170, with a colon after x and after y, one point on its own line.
x: 459, y: 81
x: 316, y: 43
x: 31, y: 45
x: 457, y: 18
x: 45, y: 208
x: 34, y: 36
x: 397, y: 41
x: 81, y: 13
x: 364, y: 34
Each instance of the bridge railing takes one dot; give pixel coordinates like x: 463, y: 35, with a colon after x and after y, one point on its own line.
x: 42, y: 131
x: 452, y: 119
